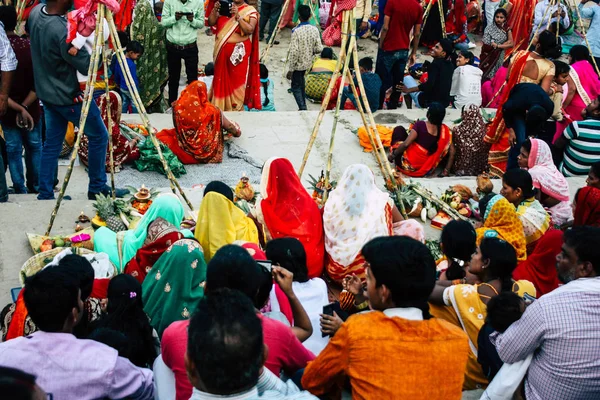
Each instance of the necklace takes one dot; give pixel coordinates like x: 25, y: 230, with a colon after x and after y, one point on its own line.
x: 538, y: 54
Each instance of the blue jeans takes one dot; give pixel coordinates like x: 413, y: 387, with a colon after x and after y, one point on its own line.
x: 461, y: 46
x: 3, y: 186
x: 127, y: 101
x: 520, y: 129
x: 57, y: 118
x: 411, y: 82
x: 390, y: 68
x: 16, y: 138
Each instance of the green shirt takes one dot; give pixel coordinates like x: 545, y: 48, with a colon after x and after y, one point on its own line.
x: 182, y: 32
x: 583, y: 148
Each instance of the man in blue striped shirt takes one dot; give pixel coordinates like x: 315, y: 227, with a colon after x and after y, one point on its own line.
x: 580, y: 142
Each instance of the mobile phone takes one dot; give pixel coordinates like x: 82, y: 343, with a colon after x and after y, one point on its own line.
x: 188, y: 13
x: 225, y: 9
x: 268, y: 264
x: 328, y: 309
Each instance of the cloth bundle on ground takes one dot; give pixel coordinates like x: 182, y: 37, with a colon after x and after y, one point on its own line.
x: 385, y: 134
x: 150, y: 161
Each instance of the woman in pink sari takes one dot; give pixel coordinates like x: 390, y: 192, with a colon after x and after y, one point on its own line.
x: 584, y: 86
x: 237, y: 72
x: 491, y: 90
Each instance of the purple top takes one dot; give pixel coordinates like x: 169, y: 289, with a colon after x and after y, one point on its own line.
x: 71, y: 368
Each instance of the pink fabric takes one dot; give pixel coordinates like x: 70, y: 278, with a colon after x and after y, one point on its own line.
x: 543, y: 172
x: 83, y: 20
x: 173, y: 346
x: 490, y: 88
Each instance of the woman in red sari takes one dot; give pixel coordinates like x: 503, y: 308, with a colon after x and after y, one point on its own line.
x: 285, y: 209
x: 520, y: 20
x: 587, y: 207
x: 237, y: 72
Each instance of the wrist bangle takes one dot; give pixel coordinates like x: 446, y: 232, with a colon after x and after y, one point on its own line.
x: 363, y: 305
x: 25, y: 107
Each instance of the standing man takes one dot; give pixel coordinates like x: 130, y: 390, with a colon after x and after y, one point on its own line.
x: 269, y: 12
x: 562, y: 328
x: 8, y: 65
x: 401, y: 18
x: 56, y: 84
x: 182, y: 19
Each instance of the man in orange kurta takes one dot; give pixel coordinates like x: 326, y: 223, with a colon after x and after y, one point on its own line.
x: 396, y: 351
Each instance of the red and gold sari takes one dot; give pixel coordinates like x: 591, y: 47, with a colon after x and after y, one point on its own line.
x: 520, y: 19
x: 497, y: 133
x: 236, y: 85
x: 416, y: 160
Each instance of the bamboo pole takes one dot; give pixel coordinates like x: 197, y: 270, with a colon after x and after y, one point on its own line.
x: 142, y: 110
x: 421, y: 191
x: 265, y: 53
x: 101, y: 12
x: 426, y: 14
x: 442, y: 18
x: 88, y: 98
x: 326, y: 98
x: 538, y: 27
x: 585, y: 37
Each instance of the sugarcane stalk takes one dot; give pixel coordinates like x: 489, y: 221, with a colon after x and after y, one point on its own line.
x: 442, y: 19
x: 265, y: 53
x: 426, y: 14
x: 88, y: 98
x: 496, y: 94
x: 142, y: 110
x: 20, y: 8
x: 336, y: 74
x: 539, y: 26
x: 557, y: 18
x: 585, y: 36
x: 101, y: 12
x: 434, y: 199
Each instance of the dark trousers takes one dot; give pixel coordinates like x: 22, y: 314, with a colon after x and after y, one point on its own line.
x: 174, y: 57
x: 390, y: 68
x: 298, y: 86
x: 520, y: 128
x: 268, y: 13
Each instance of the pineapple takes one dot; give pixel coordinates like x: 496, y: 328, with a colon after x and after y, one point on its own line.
x: 112, y: 212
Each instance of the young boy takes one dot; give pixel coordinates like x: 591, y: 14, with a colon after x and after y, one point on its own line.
x: 561, y: 77
x: 305, y: 43
x: 371, y: 82
x: 133, y: 52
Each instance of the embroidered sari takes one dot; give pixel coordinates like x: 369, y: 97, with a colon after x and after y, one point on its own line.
x: 549, y: 180
x: 175, y: 284
x: 471, y: 151
x: 520, y: 19
x: 535, y: 220
x: 501, y: 221
x: 197, y: 136
x: 587, y: 207
x: 539, y: 268
x: 220, y: 222
x: 416, y: 160
x: 237, y: 75
x: 286, y: 209
x: 491, y: 59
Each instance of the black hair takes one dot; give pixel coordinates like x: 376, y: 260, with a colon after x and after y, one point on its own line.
x: 527, y: 145
x: 447, y: 46
x: 233, y: 267
x: 123, y: 38
x: 501, y: 11
x: 264, y: 287
x: 8, y: 16
x: 304, y: 13
x: 435, y: 115
x: 469, y: 56
x: 125, y: 313
x: 502, y: 260
x: 366, y: 63
x: 135, y: 47
x: 219, y: 187
x: 579, y: 52
x: 83, y: 270
x: 406, y: 267
x: 549, y: 47
x: 158, y: 6
x: 327, y: 53
x: 50, y: 297
x: 518, y: 178
x: 459, y: 243
x: 225, y: 342
x: 484, y: 201
x: 209, y: 69
x: 561, y: 67
x: 264, y: 74
x: 584, y: 240
x: 503, y: 310
x: 289, y: 254
x: 595, y: 169
x: 113, y: 338
x: 16, y: 384
x: 535, y: 118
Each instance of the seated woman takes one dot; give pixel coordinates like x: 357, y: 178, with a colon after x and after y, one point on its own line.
x: 458, y: 245
x: 221, y: 222
x: 587, y: 207
x: 501, y: 221
x: 123, y: 246
x: 312, y: 293
x: 356, y: 212
x: 465, y: 305
x: 496, y: 38
x: 540, y: 266
x: 200, y: 128
x: 285, y: 209
x: 317, y: 80
x: 267, y: 97
x: 466, y: 81
x: 553, y: 188
x: 517, y: 188
x: 491, y: 91
x: 124, y: 150
x: 175, y: 284
x: 583, y: 85
x: 125, y: 314
x: 418, y: 152
x: 468, y: 153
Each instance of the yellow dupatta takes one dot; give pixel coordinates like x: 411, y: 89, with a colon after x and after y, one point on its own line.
x: 220, y: 223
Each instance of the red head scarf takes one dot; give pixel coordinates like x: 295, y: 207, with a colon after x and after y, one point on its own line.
x: 587, y: 207
x: 540, y: 267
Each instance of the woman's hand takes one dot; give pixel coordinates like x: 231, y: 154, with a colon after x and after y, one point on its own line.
x: 216, y: 8
x: 284, y: 279
x: 235, y: 11
x: 330, y: 323
x: 352, y: 284
x: 495, y: 45
x: 512, y: 137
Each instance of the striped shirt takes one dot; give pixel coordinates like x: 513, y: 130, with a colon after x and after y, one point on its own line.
x: 583, y: 148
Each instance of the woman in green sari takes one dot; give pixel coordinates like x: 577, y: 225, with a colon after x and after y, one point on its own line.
x: 175, y: 284
x: 152, y: 67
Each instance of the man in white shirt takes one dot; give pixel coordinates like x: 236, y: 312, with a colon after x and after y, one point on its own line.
x: 543, y: 18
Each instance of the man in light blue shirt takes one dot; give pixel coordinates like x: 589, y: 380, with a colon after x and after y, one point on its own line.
x: 593, y: 33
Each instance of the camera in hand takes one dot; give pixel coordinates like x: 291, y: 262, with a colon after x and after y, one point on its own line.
x: 225, y: 8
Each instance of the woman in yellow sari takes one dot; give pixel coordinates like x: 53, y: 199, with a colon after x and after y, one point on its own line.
x: 221, y: 222
x: 465, y: 305
x: 501, y: 221
x: 237, y: 71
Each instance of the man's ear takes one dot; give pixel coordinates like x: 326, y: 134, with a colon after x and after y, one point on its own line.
x: 586, y: 270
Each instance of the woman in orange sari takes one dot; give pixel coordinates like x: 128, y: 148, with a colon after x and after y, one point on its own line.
x: 525, y: 67
x: 198, y: 136
x: 237, y: 71
x: 419, y: 151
